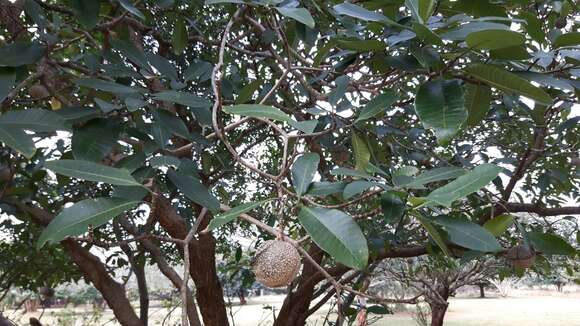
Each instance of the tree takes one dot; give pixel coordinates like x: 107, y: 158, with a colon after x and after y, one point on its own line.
x: 357, y: 132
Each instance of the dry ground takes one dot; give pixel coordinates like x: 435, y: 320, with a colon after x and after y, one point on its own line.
x: 517, y: 310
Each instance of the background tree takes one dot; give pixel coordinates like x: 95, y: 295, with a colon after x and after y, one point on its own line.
x: 357, y: 132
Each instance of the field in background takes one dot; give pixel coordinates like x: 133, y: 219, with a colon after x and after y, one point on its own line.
x: 546, y: 310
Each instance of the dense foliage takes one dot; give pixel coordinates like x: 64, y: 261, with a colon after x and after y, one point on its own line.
x: 358, y: 132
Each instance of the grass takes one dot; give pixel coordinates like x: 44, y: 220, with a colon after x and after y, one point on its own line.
x: 519, y: 311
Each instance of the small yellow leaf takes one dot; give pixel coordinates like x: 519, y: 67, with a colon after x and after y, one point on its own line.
x: 55, y: 104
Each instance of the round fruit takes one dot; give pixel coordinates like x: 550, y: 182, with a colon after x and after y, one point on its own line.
x: 276, y: 263
x: 521, y: 256
x: 38, y: 92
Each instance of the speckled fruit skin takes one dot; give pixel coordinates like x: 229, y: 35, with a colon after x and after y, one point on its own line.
x: 276, y: 263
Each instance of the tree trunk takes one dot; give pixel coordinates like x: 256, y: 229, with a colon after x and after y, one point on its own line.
x: 294, y: 310
x: 481, y: 290
x: 209, y: 293
x: 438, y: 313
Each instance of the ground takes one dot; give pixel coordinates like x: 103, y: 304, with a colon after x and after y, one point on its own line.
x: 535, y: 310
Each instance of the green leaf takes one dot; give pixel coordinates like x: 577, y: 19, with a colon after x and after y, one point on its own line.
x: 171, y: 123
x: 75, y: 220
x: 440, y: 106
x: 193, y: 189
x: 356, y: 187
x: 508, y: 82
x: 105, y: 85
x: 183, y: 98
x: 377, y: 105
x: 306, y: 127
x: 95, y: 140
x: 87, y: 12
x: 468, y: 234
x: 257, y: 111
x: 338, y: 92
x: 494, y: 39
x: 164, y: 160
x: 421, y: 9
x: 466, y: 184
x: 34, y: 120
x: 131, y: 8
x: 303, y: 171
x: 337, y: 234
x: 358, y: 12
x: 18, y: 140
x: 78, y: 114
x: 361, y: 45
x: 232, y: 214
x: 326, y: 188
x: 90, y: 171
x: 425, y: 34
x: 393, y: 207
x: 248, y: 91
x: 434, y: 233
x: 7, y: 80
x: 436, y: 174
x: 477, y: 101
x: 163, y: 65
x: 179, y: 39
x: 499, y: 224
x: 567, y: 39
x: 550, y: 244
x: 299, y: 14
x: 351, y: 173
x: 362, y: 155
x: 20, y: 53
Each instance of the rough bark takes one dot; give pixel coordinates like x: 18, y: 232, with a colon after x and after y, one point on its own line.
x: 209, y: 293
x: 438, y: 314
x: 294, y: 311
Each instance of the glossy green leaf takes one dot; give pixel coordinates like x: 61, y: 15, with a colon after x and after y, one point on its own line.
x: 165, y: 67
x: 179, y: 38
x: 377, y: 105
x: 494, y: 39
x: 567, y: 39
x: 359, y: 12
x: 104, y: 85
x: 433, y: 175
x: 230, y: 215
x: 76, y: 219
x: 257, y: 111
x: 392, y: 206
x: 337, y: 234
x: 183, y: 98
x: 508, y: 82
x: 95, y: 140
x: 362, y: 154
x: 440, y: 106
x: 421, y: 9
x: 33, y: 120
x: 20, y: 53
x: 299, y: 14
x: 248, y: 91
x: 550, y: 244
x: 306, y: 127
x: 7, y: 80
x: 128, y: 5
x: 326, y: 188
x: 433, y: 233
x: 91, y: 171
x: 171, y: 123
x: 466, y: 184
x: 87, y: 12
x: 356, y: 187
x: 18, y: 140
x: 499, y: 224
x: 468, y: 234
x: 361, y: 45
x: 164, y: 161
x: 351, y: 173
x: 303, y: 171
x: 193, y: 189
x: 478, y: 103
